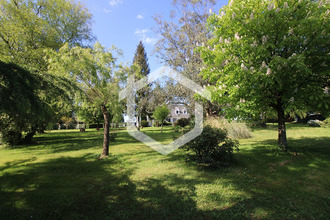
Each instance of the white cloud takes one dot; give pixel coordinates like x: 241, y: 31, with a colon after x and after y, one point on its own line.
x: 140, y: 16
x: 142, y: 34
x: 150, y: 40
x: 106, y: 10
x: 115, y: 2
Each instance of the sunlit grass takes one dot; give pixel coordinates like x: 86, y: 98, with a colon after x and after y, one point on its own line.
x: 60, y: 177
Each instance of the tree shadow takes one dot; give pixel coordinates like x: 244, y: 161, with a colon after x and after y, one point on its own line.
x: 85, y: 188
x: 263, y: 184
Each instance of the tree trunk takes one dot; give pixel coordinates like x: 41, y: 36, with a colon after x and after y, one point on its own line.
x: 28, y: 137
x: 161, y: 128
x: 106, y: 131
x: 138, y: 122
x: 263, y: 120
x: 282, y: 142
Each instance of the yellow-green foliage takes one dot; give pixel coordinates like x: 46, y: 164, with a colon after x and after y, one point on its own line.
x: 236, y: 130
x: 326, y: 123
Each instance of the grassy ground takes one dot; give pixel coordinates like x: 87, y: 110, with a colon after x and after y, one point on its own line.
x: 59, y: 177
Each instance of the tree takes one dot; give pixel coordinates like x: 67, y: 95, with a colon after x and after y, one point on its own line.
x: 178, y: 39
x: 67, y: 120
x: 269, y: 55
x: 94, y: 70
x: 27, y: 28
x: 160, y: 114
x: 20, y: 105
x: 141, y: 60
x: 89, y: 113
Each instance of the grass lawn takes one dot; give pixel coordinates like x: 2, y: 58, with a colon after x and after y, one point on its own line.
x: 60, y: 177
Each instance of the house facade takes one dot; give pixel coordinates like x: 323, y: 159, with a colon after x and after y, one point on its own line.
x: 177, y: 111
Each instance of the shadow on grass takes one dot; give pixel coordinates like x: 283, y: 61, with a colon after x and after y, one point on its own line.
x: 272, y: 184
x: 263, y: 184
x: 69, y: 141
x: 85, y: 188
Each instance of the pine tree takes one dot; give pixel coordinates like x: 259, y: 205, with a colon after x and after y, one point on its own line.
x: 141, y: 60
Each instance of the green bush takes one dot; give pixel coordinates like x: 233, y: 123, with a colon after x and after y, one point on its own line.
x: 213, y: 148
x: 11, y: 137
x: 182, y: 122
x: 177, y: 128
x: 326, y: 123
x: 166, y: 123
x: 144, y: 123
x: 236, y: 130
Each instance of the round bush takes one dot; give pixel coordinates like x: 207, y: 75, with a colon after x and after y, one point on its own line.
x: 212, y: 148
x: 182, y: 122
x: 144, y: 123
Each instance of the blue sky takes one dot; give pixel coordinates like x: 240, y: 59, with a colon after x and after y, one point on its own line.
x: 124, y: 23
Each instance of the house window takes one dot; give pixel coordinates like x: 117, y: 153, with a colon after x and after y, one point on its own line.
x: 177, y: 112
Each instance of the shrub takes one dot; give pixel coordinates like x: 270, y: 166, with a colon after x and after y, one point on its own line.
x: 144, y: 123
x: 177, y: 128
x: 166, y: 123
x: 236, y: 130
x: 326, y: 122
x: 212, y: 148
x: 11, y: 137
x: 182, y: 122
x: 314, y: 123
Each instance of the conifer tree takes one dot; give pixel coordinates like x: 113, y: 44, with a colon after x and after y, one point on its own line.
x: 141, y: 60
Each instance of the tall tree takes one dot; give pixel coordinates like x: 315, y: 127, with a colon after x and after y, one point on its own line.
x: 94, y: 69
x: 141, y: 60
x: 269, y: 54
x: 178, y: 39
x: 27, y: 28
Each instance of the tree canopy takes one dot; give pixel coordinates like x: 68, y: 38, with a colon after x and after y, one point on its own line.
x: 160, y: 114
x: 178, y: 39
x: 263, y: 56
x: 95, y: 71
x: 28, y: 28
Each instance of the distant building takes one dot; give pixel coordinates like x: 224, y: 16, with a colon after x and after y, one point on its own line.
x: 177, y: 111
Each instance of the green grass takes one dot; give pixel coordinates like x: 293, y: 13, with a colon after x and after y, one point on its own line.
x: 60, y: 177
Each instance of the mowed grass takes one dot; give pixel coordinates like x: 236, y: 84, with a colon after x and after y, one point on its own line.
x: 60, y: 177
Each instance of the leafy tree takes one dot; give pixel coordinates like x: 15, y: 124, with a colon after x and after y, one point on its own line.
x: 160, y: 114
x: 20, y: 105
x: 27, y: 28
x: 141, y: 60
x: 94, y: 70
x: 178, y: 39
x: 89, y: 113
x: 67, y: 120
x: 269, y: 55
